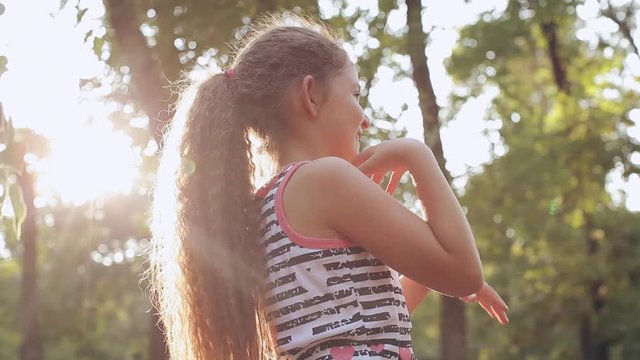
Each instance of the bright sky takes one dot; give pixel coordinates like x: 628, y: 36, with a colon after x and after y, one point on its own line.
x: 47, y: 58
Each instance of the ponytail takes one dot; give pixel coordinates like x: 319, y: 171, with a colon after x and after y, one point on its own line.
x: 211, y: 302
x: 206, y: 265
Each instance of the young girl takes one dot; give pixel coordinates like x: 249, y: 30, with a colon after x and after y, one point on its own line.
x: 307, y: 266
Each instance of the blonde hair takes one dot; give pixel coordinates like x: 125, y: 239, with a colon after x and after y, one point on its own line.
x: 206, y: 265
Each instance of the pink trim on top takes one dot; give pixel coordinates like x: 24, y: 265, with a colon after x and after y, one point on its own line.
x: 304, y: 241
x: 264, y: 190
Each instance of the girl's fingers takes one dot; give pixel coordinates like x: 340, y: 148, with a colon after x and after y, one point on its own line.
x: 503, y: 318
x: 486, y: 308
x: 495, y: 313
x: 491, y: 311
x: 393, y: 182
x: 361, y: 159
x: 506, y: 319
x: 501, y: 315
x: 501, y: 309
x: 470, y: 298
x: 493, y: 304
x: 502, y: 303
x: 495, y: 296
x: 377, y: 178
x: 367, y: 167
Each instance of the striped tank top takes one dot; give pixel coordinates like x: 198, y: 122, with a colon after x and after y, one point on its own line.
x: 328, y: 299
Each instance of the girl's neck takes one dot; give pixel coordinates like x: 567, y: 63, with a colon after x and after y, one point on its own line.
x: 284, y: 161
x: 293, y: 152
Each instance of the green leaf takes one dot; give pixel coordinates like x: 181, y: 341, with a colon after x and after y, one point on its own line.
x: 97, y: 45
x: 3, y: 125
x: 9, y: 133
x: 88, y: 35
x: 5, y: 188
x: 10, y: 231
x: 3, y: 59
x: 80, y: 15
x: 19, y: 207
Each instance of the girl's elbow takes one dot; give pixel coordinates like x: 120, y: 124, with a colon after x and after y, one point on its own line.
x: 472, y: 276
x: 468, y: 280
x: 472, y: 282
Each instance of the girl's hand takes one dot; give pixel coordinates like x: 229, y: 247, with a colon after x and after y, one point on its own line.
x: 393, y: 156
x: 491, y: 302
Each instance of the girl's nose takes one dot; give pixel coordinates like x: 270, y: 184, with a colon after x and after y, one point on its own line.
x: 366, y: 123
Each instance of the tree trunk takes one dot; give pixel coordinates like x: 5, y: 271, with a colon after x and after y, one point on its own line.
x: 591, y: 347
x: 416, y: 43
x: 32, y: 343
x: 559, y: 71
x: 157, y: 344
x: 453, y: 339
x: 151, y: 93
x: 452, y: 321
x: 149, y: 88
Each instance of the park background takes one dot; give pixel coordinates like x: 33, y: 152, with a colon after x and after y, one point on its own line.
x: 531, y: 106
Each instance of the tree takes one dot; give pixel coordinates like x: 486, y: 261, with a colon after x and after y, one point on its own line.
x: 452, y: 316
x: 180, y: 29
x: 541, y: 207
x: 18, y: 184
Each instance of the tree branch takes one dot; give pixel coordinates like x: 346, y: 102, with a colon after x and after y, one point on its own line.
x: 623, y: 25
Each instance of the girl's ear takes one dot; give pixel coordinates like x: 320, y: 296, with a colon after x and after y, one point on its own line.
x: 310, y: 95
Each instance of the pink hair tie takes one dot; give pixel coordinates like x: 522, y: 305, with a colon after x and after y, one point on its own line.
x: 229, y: 73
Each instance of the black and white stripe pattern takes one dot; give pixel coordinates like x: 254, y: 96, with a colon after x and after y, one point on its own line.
x: 336, y: 303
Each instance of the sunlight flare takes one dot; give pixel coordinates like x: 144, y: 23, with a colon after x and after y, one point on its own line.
x: 90, y: 162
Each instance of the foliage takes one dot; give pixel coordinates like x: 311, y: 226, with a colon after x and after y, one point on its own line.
x: 549, y: 231
x: 11, y: 166
x: 536, y: 208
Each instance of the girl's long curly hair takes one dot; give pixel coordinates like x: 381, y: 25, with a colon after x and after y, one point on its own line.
x: 207, y: 268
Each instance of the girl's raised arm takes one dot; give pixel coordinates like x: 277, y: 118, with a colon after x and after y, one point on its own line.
x: 440, y: 254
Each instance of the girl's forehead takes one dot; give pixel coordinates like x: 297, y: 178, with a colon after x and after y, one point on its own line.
x: 349, y: 73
